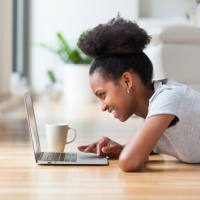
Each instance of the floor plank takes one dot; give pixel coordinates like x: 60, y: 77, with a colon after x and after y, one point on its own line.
x: 20, y: 178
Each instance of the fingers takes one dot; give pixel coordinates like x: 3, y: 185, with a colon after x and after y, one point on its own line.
x: 102, y: 144
x: 91, y: 148
x: 106, y: 150
x: 96, y: 147
x: 82, y: 148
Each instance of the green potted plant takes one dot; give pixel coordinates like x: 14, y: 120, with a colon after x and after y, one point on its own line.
x: 74, y: 71
x: 67, y: 53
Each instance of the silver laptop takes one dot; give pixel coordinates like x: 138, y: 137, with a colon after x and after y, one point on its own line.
x: 53, y: 158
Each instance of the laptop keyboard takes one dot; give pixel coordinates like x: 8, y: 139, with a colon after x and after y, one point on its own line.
x: 66, y: 157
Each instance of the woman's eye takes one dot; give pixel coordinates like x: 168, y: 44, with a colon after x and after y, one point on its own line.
x: 102, y: 95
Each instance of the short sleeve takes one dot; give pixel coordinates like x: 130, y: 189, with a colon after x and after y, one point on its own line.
x: 166, y: 101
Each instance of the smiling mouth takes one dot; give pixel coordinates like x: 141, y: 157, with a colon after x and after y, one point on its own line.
x: 113, y: 111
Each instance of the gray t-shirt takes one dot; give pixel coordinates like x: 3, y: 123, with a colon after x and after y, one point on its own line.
x: 183, y: 139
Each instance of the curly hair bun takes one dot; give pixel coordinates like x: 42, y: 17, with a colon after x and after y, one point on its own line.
x: 117, y: 37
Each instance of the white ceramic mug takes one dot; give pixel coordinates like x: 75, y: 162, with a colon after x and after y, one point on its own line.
x: 57, y: 135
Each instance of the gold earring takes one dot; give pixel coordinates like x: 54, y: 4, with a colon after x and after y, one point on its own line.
x: 128, y: 91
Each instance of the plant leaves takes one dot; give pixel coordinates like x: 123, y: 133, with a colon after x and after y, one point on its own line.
x: 52, y: 76
x: 66, y: 53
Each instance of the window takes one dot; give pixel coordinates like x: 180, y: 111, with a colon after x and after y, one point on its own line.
x: 21, y: 37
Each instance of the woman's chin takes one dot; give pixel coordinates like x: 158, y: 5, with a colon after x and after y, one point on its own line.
x: 123, y: 118
x: 120, y: 117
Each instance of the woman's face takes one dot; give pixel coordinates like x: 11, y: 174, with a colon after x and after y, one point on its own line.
x: 113, y: 96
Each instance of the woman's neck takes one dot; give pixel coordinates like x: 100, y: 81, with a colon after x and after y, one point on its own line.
x: 143, y: 96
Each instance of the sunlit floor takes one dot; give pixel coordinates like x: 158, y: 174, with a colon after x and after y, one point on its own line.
x: 20, y: 178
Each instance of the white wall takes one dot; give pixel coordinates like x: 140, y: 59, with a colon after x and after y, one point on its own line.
x: 71, y: 17
x: 165, y: 8
x: 5, y: 45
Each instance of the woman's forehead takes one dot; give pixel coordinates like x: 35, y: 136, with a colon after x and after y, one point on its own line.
x: 97, y: 80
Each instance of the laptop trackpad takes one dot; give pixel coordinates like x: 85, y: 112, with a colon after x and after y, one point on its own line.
x: 90, y: 158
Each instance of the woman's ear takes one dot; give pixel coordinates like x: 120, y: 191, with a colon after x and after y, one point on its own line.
x: 127, y: 80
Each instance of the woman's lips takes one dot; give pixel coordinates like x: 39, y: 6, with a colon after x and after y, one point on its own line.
x: 114, y: 113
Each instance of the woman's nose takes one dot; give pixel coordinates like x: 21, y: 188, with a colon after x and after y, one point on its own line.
x: 103, y: 106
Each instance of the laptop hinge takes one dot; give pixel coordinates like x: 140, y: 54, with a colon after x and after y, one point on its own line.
x: 38, y: 156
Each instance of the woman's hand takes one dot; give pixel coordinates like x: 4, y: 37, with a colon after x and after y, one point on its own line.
x: 103, y: 147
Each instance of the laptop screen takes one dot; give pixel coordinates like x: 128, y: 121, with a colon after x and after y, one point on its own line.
x: 32, y: 123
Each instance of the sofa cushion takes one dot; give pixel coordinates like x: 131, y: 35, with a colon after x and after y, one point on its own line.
x: 183, y: 34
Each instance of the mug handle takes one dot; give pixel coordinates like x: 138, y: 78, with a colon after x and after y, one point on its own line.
x: 73, y: 137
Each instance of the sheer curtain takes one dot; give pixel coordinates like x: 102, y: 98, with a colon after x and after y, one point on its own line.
x: 5, y: 45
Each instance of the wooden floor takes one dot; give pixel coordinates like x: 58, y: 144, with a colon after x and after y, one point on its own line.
x: 20, y: 178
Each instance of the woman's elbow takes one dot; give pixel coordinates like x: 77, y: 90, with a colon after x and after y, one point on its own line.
x: 128, y: 166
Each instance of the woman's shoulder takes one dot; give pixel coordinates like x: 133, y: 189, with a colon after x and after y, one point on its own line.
x: 167, y: 89
x: 171, y: 97
x: 172, y: 87
x: 167, y: 98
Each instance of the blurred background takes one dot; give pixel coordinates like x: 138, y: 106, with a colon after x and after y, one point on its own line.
x: 38, y: 52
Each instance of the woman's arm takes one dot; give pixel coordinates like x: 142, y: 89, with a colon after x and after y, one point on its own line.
x: 136, y: 152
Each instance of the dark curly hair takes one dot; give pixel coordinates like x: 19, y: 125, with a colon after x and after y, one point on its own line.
x: 116, y: 47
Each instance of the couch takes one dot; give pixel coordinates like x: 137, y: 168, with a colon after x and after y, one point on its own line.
x: 175, y: 53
